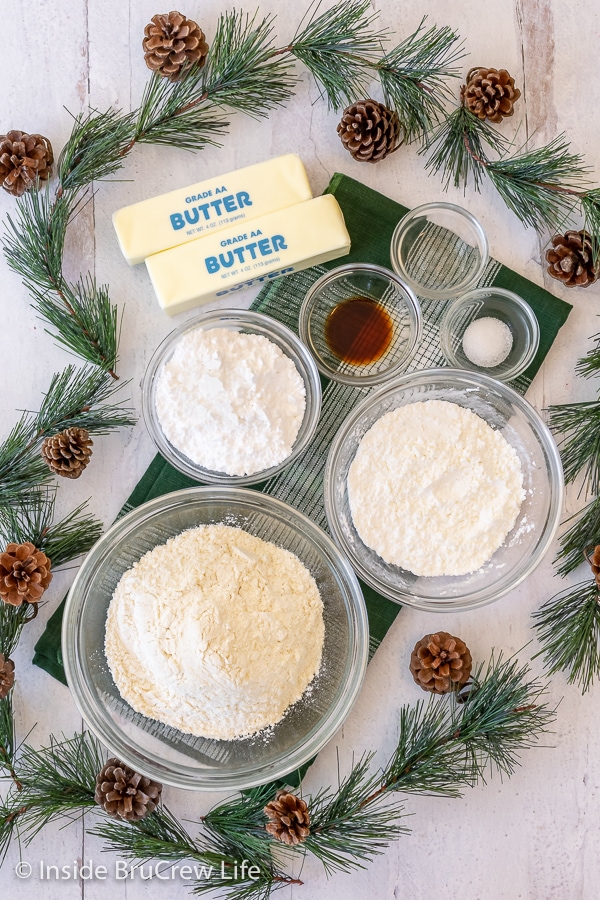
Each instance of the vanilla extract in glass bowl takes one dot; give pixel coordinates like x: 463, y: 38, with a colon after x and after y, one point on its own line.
x: 361, y: 323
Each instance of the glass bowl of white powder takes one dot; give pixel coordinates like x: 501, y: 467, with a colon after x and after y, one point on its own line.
x: 168, y: 753
x: 444, y: 489
x: 231, y: 397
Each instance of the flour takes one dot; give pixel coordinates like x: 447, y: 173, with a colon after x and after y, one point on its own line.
x: 216, y: 632
x: 434, y: 489
x: 231, y: 402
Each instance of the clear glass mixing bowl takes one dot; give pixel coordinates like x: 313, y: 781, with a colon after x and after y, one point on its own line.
x: 162, y: 752
x: 247, y: 322
x: 525, y: 545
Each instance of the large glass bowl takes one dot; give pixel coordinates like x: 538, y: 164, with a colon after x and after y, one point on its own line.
x: 247, y: 322
x: 165, y: 753
x: 502, y: 408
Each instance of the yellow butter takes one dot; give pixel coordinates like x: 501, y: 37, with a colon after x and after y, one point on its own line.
x: 218, y: 265
x: 200, y: 209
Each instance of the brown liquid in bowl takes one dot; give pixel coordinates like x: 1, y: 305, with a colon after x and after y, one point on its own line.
x: 358, y: 330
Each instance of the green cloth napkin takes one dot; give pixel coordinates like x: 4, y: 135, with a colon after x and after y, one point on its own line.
x: 371, y: 219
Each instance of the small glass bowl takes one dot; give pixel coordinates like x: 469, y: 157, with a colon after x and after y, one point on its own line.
x: 400, y: 309
x: 165, y: 753
x: 498, y: 304
x: 537, y: 522
x: 440, y: 250
x: 248, y: 323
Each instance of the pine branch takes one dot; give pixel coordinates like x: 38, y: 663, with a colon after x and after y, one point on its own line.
x: 7, y: 733
x: 89, y: 327
x: 161, y: 836
x: 589, y: 365
x: 458, y: 148
x: 240, y: 822
x: 12, y: 621
x: 354, y: 823
x: 578, y: 424
x: 413, y: 77
x: 542, y: 186
x: 95, y: 148
x: 171, y: 114
x: 75, y: 398
x: 590, y: 204
x: 585, y: 532
x: 34, y: 248
x: 57, y: 781
x: 243, y: 70
x: 340, y: 48
x: 568, y: 628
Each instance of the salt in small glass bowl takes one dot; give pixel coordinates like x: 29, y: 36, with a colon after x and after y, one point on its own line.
x: 495, y: 303
x: 440, y: 250
x: 385, y: 289
x: 249, y: 323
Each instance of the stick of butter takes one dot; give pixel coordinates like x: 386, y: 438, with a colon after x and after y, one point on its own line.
x: 285, y: 241
x: 191, y: 212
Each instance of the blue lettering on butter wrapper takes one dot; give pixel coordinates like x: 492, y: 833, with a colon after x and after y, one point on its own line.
x: 253, y: 250
x: 213, y: 209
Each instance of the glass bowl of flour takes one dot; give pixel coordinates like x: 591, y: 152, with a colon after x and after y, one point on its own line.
x: 444, y: 489
x: 172, y: 755
x: 231, y: 397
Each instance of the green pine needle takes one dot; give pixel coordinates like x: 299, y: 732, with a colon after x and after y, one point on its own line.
x: 340, y: 48
x: 96, y: 148
x: 413, y: 77
x: 12, y: 620
x: 585, y: 532
x: 589, y: 365
x: 542, y: 186
x: 568, y: 628
x: 590, y: 204
x: 243, y: 70
x: 458, y: 148
x: 578, y: 424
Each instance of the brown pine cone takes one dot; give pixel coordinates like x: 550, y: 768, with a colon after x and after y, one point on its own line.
x: 290, y: 818
x: 68, y: 452
x: 440, y: 663
x: 125, y: 794
x: 369, y: 130
x: 592, y: 554
x: 7, y: 675
x: 172, y: 43
x: 571, y: 259
x: 490, y: 93
x: 22, y: 158
x: 24, y: 574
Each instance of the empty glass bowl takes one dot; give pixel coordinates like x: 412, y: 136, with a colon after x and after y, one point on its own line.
x: 495, y: 303
x: 361, y: 324
x: 249, y: 323
x: 162, y: 752
x: 538, y: 519
x: 440, y: 250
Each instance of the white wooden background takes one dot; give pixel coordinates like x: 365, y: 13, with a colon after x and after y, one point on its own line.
x: 534, y: 836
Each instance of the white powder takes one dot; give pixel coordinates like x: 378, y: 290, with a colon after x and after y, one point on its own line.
x: 231, y: 402
x: 215, y: 632
x: 434, y: 489
x: 487, y: 341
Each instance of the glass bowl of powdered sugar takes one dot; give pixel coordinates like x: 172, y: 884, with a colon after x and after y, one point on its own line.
x: 444, y: 489
x: 231, y: 397
x: 213, y: 597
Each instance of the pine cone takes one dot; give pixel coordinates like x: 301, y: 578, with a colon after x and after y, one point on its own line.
x: 593, y: 558
x: 22, y: 158
x: 172, y: 43
x: 24, y: 574
x: 571, y: 259
x: 290, y: 818
x: 125, y: 794
x: 440, y: 663
x: 369, y: 131
x: 68, y: 452
x: 490, y: 93
x: 7, y: 675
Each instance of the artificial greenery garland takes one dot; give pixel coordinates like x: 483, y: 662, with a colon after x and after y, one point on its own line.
x: 442, y: 748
